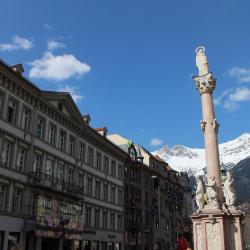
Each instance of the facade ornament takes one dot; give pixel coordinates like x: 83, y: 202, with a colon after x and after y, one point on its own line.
x: 4, y: 156
x: 215, y: 125
x: 203, y: 125
x: 212, y: 195
x: 200, y: 199
x: 229, y: 191
x: 205, y: 83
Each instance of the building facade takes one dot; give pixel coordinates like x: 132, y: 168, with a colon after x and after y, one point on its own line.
x: 61, y: 182
x: 157, y: 207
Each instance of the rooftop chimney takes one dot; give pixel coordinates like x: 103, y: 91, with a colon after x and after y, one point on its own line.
x: 18, y: 68
x: 86, y: 119
x: 102, y: 131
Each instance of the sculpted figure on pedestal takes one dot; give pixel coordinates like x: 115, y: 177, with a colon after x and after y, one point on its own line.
x: 229, y: 191
x: 201, y: 61
x: 212, y: 193
x: 200, y: 200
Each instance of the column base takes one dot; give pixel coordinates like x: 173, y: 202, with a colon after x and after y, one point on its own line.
x: 218, y: 229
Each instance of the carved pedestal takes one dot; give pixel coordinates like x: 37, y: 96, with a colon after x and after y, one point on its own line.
x: 219, y: 230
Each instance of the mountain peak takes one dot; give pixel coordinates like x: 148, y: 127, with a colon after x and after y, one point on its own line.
x: 183, y: 158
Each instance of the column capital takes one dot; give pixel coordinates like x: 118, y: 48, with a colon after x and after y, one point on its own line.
x: 205, y: 83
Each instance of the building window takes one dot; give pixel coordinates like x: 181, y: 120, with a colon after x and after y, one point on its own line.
x: 146, y: 199
x: 104, y: 219
x: 97, y: 217
x: 70, y: 177
x: 112, y: 194
x: 40, y: 128
x: 82, y: 151
x: 52, y: 134
x: 89, y: 186
x: 1, y: 103
x: 98, y: 160
x: 120, y: 175
x: 71, y: 146
x: 119, y: 222
x: 26, y: 116
x: 105, y: 192
x: 97, y: 189
x: 120, y: 197
x: 80, y: 181
x: 33, y: 204
x: 112, y: 220
x: 49, y: 169
x: 11, y: 112
x: 21, y: 155
x: 6, y: 153
x: 88, y: 216
x: 37, y: 163
x: 62, y: 140
x: 60, y: 172
x: 3, y: 190
x: 90, y: 156
x: 16, y: 205
x: 167, y: 224
x: 106, y: 165
x: 113, y: 168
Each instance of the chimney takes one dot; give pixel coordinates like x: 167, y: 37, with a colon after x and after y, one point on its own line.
x: 86, y: 119
x: 18, y: 68
x: 102, y: 131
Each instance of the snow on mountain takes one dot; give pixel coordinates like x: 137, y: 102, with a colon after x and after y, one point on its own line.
x: 182, y: 158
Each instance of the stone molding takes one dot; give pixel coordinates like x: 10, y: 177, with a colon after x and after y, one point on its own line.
x: 205, y: 83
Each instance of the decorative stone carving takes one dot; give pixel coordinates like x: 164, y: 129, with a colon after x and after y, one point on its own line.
x: 215, y: 125
x: 201, y: 61
x: 199, y: 237
x: 203, y: 125
x: 205, y: 83
x: 212, y: 193
x: 229, y: 191
x: 200, y: 194
x: 213, y: 236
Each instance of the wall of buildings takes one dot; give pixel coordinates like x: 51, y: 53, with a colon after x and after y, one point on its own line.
x: 52, y: 163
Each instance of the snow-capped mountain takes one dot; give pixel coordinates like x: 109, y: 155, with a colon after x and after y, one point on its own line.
x: 182, y: 158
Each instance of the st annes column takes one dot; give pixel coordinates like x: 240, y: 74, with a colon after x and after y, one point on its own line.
x: 217, y: 224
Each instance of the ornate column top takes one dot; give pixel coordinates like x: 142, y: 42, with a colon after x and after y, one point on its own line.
x: 205, y: 83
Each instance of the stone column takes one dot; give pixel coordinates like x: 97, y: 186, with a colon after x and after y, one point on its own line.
x: 205, y: 84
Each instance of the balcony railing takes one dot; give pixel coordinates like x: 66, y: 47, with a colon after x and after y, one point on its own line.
x: 56, y: 184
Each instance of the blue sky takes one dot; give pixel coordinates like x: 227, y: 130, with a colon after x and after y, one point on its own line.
x: 129, y: 64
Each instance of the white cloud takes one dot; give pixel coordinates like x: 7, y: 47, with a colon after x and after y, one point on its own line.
x: 240, y: 95
x: 74, y: 92
x: 47, y: 26
x: 52, y: 45
x: 219, y: 99
x: 58, y: 67
x: 156, y: 142
x: 241, y: 74
x: 17, y: 42
x: 231, y: 98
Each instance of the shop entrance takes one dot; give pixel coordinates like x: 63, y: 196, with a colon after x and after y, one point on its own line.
x: 50, y: 244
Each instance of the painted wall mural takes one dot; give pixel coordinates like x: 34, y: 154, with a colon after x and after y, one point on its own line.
x: 57, y: 218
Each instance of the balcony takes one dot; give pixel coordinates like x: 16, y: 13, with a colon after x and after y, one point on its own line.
x: 50, y: 182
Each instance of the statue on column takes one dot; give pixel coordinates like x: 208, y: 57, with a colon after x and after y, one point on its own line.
x: 200, y: 199
x: 201, y: 61
x: 212, y: 193
x: 229, y: 191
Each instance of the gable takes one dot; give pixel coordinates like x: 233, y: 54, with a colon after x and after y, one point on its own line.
x: 64, y: 103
